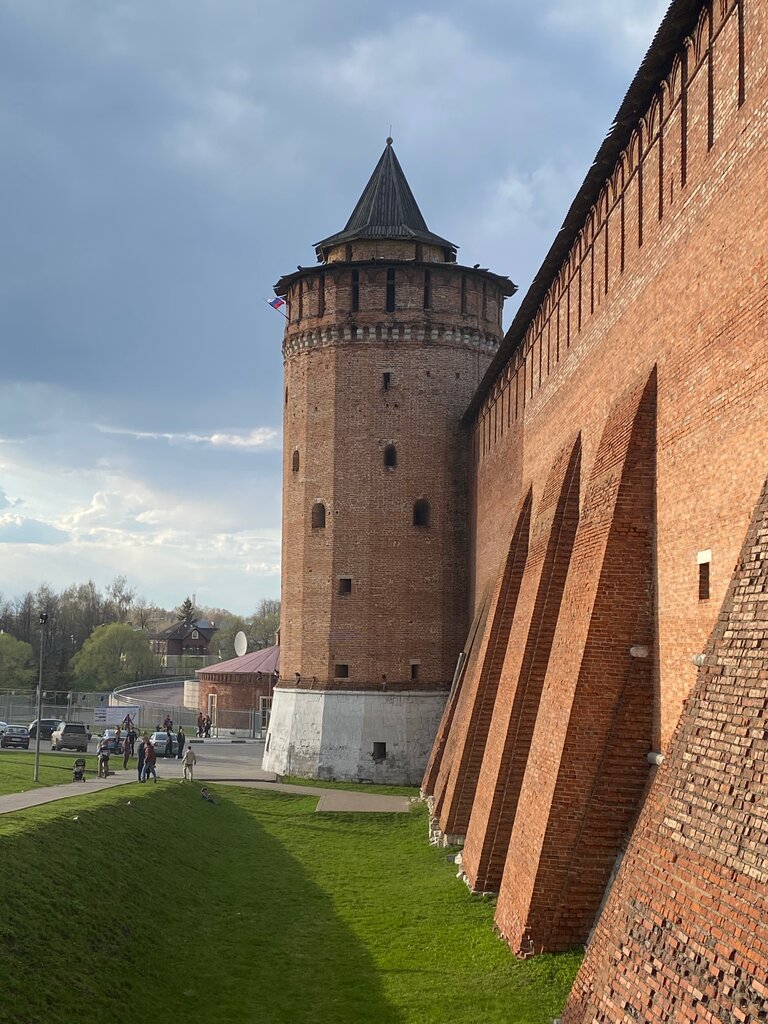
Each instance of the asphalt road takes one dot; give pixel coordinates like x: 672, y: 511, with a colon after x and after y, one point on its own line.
x: 217, y: 760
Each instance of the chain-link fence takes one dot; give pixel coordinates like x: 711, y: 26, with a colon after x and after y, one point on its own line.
x: 143, y: 702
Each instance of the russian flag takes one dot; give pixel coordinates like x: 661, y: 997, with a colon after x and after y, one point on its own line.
x: 277, y: 302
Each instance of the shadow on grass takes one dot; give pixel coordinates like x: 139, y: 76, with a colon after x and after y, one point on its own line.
x: 169, y: 905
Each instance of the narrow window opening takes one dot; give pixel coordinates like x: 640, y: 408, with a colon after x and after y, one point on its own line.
x: 422, y: 513
x: 386, y: 380
x: 286, y: 396
x: 345, y: 584
x: 414, y: 670
x: 295, y: 461
x: 301, y: 301
x: 427, y: 290
x: 390, y: 456
x: 379, y: 752
x: 341, y: 671
x: 704, y: 581
x: 485, y: 300
x: 419, y: 252
x: 355, y: 291
x: 390, y: 290
x: 349, y: 252
x: 318, y: 516
x: 321, y: 295
x: 463, y: 293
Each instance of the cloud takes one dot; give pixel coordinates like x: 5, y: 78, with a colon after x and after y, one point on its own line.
x: 632, y: 22
x: 16, y: 529
x: 258, y: 438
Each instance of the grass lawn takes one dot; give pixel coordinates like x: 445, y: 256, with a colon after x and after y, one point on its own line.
x: 355, y: 787
x: 17, y: 768
x: 254, y: 909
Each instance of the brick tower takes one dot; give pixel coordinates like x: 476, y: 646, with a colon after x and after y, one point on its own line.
x: 386, y: 341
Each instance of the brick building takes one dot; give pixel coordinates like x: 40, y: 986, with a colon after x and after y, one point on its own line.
x: 386, y: 342
x: 619, y: 444
x: 590, y: 496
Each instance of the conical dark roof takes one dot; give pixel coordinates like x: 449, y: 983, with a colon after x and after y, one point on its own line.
x: 386, y: 209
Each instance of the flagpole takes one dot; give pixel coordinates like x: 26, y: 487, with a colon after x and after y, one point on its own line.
x: 276, y: 310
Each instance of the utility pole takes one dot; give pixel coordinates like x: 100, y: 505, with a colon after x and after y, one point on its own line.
x: 43, y: 620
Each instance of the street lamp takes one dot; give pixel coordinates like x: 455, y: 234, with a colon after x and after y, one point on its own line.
x: 43, y: 620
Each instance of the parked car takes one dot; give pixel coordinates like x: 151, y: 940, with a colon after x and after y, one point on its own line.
x: 47, y: 725
x: 15, y: 736
x: 159, y: 740
x: 114, y: 746
x: 70, y: 735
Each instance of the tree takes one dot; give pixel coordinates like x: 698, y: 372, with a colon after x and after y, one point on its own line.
x: 16, y: 671
x: 114, y: 655
x: 186, y: 612
x: 265, y: 622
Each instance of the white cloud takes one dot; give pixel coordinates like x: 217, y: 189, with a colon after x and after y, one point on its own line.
x: 15, y: 529
x: 258, y: 438
x: 632, y: 21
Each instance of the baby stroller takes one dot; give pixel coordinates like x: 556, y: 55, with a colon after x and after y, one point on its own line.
x: 78, y: 770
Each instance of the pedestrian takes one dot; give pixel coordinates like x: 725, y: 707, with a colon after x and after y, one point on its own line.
x: 181, y: 739
x: 140, y: 761
x: 126, y: 753
x: 168, y: 744
x: 103, y: 752
x: 117, y: 739
x: 167, y: 723
x: 200, y: 723
x: 207, y: 727
x: 131, y: 737
x: 150, y: 760
x: 189, y: 761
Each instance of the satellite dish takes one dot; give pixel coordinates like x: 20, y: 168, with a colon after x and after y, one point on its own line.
x: 241, y: 644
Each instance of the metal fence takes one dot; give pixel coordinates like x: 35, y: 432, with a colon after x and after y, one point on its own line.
x: 143, y: 702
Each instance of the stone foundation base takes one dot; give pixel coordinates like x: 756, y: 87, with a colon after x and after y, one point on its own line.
x: 352, y: 736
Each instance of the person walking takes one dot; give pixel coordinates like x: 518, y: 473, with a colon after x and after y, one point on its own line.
x: 189, y: 761
x: 103, y: 754
x: 131, y: 737
x: 200, y: 723
x: 168, y: 752
x: 150, y: 761
x: 207, y: 727
x: 126, y: 753
x: 140, y: 760
x: 181, y: 739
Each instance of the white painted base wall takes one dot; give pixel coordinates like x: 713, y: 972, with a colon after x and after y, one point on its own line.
x: 330, y: 735
x: 191, y: 693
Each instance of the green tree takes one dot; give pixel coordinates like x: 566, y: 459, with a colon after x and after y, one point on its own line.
x: 186, y: 612
x: 114, y: 655
x: 265, y: 622
x: 16, y: 671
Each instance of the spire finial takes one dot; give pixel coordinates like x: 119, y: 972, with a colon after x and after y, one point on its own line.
x: 390, y: 140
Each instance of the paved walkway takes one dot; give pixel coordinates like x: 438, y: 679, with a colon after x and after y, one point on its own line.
x: 335, y: 799
x: 328, y: 799
x: 48, y: 794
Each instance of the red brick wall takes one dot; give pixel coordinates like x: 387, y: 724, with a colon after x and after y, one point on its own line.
x: 409, y: 586
x: 522, y: 678
x: 668, y: 273
x: 586, y: 767
x: 690, y: 299
x: 457, y: 778
x: 684, y: 934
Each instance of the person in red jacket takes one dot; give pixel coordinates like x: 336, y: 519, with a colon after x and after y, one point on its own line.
x: 150, y: 760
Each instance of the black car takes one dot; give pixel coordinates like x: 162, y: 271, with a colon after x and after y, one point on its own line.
x: 47, y: 725
x: 15, y: 736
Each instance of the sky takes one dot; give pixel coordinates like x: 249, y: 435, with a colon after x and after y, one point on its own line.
x: 164, y: 162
